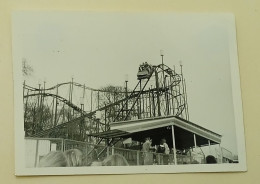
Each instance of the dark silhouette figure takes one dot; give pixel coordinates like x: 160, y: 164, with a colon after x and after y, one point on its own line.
x: 210, y: 159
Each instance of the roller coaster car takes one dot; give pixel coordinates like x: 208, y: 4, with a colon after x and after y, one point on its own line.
x: 144, y: 71
x: 169, y: 71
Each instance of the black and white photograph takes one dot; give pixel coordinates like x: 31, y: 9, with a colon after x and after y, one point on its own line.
x: 126, y: 93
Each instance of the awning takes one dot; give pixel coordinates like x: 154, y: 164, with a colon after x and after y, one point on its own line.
x: 111, y: 134
x: 158, y: 128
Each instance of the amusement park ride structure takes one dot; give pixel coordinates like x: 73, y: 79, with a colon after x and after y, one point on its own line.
x: 50, y: 112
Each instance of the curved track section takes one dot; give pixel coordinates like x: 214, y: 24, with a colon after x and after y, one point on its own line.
x: 160, y: 93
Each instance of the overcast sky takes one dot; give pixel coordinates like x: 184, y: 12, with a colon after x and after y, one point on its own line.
x: 98, y: 49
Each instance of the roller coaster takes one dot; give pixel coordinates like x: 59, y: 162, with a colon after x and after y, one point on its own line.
x: 74, y: 111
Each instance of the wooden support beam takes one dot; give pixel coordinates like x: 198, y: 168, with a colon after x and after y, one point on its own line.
x: 174, y: 147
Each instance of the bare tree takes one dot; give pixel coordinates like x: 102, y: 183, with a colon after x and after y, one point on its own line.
x: 27, y: 69
x: 112, y: 95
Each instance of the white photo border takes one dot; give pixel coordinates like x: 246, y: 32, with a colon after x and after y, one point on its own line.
x: 20, y: 168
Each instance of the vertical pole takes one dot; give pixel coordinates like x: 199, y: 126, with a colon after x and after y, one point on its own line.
x: 140, y: 101
x: 68, y: 136
x: 138, y: 110
x: 96, y: 126
x: 91, y: 101
x: 52, y: 111
x: 122, y: 110
x: 38, y: 110
x: 110, y: 116
x: 115, y: 106
x: 172, y: 95
x: 83, y: 98
x: 62, y: 145
x: 190, y: 156
x: 38, y: 100
x: 113, y: 150
x: 24, y: 88
x: 150, y: 110
x: 36, y: 153
x: 25, y: 108
x: 143, y: 111
x: 71, y: 89
x: 90, y: 131
x: 221, y: 154
x: 146, y: 113
x: 138, y: 157
x: 56, y: 106
x: 188, y: 116
x: 69, y: 92
x: 180, y: 102
x: 98, y: 99
x: 195, y: 142
x: 107, y: 151
x: 158, y: 92
x: 42, y: 105
x: 84, y: 89
x: 63, y: 114
x: 126, y: 96
x: 176, y: 91
x: 183, y: 93
x: 209, y: 147
x: 105, y: 119
x: 154, y: 109
x: 164, y: 80
x: 174, y: 147
x: 69, y: 100
x: 44, y: 82
x: 114, y: 97
x: 162, y: 65
x: 167, y: 98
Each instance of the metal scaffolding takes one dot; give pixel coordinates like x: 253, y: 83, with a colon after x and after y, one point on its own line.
x: 73, y: 111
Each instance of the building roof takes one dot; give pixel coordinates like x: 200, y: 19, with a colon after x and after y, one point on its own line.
x: 160, y: 127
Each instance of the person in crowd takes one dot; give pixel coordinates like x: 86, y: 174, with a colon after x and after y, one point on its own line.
x: 171, y: 156
x: 53, y: 159
x: 115, y: 160
x: 112, y: 160
x: 160, y: 151
x: 147, y: 154
x: 69, y: 158
x: 164, y: 150
x: 210, y: 159
x: 74, y: 157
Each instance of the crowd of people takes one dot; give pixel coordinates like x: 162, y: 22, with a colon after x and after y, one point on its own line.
x: 160, y: 154
x: 163, y: 150
x: 157, y: 154
x: 75, y: 158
